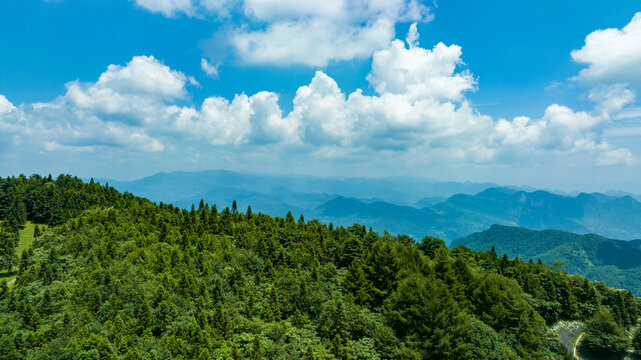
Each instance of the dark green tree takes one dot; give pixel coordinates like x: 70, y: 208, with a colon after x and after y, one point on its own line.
x: 604, y: 337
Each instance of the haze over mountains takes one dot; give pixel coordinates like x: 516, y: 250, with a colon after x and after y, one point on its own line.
x: 413, y: 206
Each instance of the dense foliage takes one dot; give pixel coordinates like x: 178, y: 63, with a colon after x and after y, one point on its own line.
x: 614, y: 262
x: 122, y: 278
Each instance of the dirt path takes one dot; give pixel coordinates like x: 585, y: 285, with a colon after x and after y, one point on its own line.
x: 576, y: 345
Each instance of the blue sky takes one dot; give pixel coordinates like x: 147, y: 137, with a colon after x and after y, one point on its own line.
x: 531, y: 93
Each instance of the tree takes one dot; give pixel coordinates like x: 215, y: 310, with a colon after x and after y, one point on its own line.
x: 430, y: 246
x: 636, y: 342
x: 8, y: 257
x: 486, y: 344
x: 145, y: 317
x: 604, y: 337
x: 257, y: 349
x: 37, y: 232
x: 425, y: 315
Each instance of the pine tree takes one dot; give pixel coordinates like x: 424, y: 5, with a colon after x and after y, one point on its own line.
x: 636, y: 342
x: 145, y: 317
x: 257, y: 349
x: 423, y: 311
x: 298, y: 319
x: 8, y: 257
x: 37, y: 232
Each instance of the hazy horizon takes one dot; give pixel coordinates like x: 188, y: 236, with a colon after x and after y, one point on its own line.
x: 551, y: 188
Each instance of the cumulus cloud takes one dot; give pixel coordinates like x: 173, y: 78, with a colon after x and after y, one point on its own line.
x: 563, y: 130
x: 612, y: 55
x: 112, y: 112
x: 144, y: 75
x: 420, y: 73
x: 136, y: 89
x: 5, y: 105
x: 255, y: 120
x: 419, y: 111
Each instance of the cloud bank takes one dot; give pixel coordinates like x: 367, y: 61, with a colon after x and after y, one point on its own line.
x: 419, y: 113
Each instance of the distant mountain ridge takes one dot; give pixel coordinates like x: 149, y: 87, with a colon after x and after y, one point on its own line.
x: 463, y: 214
x: 414, y: 206
x: 183, y: 186
x: 616, y: 262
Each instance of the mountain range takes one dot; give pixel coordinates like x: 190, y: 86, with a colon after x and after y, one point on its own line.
x: 596, y: 257
x: 414, y: 206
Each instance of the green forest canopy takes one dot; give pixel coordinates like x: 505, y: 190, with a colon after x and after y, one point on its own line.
x: 118, y: 277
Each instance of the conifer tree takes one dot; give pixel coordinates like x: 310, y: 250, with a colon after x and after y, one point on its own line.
x: 257, y: 349
x: 8, y: 258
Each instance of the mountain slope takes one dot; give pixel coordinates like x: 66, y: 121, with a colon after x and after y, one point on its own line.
x: 119, y: 277
x: 616, y: 262
x: 462, y: 214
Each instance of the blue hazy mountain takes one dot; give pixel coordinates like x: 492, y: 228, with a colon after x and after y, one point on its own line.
x: 414, y: 206
x: 462, y: 214
x: 616, y: 262
x: 185, y: 186
x: 277, y: 194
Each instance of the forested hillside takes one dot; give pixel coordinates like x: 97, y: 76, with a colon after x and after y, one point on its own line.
x: 118, y: 277
x: 616, y: 262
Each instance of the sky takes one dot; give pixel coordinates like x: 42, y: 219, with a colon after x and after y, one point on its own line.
x: 539, y: 93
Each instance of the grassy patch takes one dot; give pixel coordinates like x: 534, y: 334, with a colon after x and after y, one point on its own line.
x: 25, y: 240
x: 26, y: 237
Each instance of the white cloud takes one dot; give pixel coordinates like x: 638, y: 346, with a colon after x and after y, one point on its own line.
x: 112, y: 112
x: 271, y: 10
x: 210, y: 69
x: 192, y: 8
x: 336, y: 10
x: 420, y: 73
x: 168, y: 7
x: 609, y: 156
x: 135, y: 91
x: 5, y: 105
x: 412, y: 36
x: 313, y: 33
x: 254, y: 120
x: 611, y: 99
x: 563, y: 130
x: 612, y: 55
x: 312, y: 42
x: 418, y: 114
x: 144, y: 75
